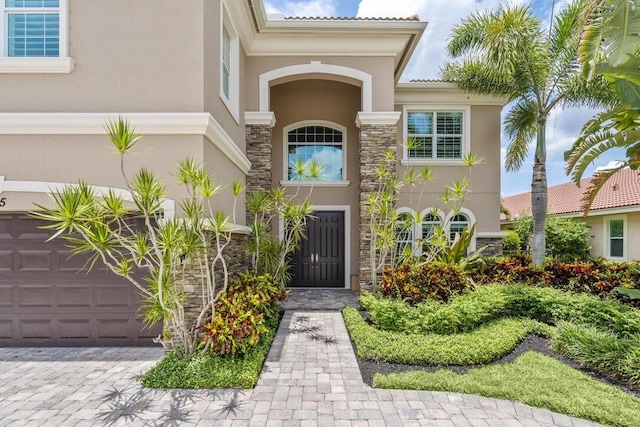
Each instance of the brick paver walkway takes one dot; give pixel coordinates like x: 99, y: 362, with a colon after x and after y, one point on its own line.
x: 311, y: 378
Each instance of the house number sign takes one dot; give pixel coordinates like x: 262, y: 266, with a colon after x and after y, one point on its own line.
x: 3, y: 201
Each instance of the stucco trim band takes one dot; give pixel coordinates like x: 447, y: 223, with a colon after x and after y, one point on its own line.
x: 16, y: 65
x: 260, y: 118
x: 146, y: 123
x: 377, y: 118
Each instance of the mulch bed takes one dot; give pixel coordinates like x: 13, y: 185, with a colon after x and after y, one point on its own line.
x: 531, y: 343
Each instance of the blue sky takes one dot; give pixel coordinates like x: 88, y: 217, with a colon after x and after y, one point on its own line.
x: 562, y: 127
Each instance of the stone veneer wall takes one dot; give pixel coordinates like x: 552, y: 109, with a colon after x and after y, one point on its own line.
x: 237, y: 260
x: 493, y: 244
x: 259, y: 154
x: 375, y: 140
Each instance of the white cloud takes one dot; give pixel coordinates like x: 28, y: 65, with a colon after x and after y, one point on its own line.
x: 309, y: 8
x: 442, y: 15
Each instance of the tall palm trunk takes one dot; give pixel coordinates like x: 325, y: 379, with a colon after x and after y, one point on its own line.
x: 539, y: 196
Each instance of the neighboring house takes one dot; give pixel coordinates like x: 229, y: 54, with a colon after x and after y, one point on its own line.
x: 614, y: 217
x: 240, y: 92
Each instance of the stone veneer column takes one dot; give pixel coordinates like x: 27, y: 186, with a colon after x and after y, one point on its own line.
x: 378, y: 133
x: 259, y: 132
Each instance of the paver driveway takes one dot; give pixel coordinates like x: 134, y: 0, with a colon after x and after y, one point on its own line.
x: 310, y: 378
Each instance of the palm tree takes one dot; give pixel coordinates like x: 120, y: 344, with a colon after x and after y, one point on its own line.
x: 506, y: 52
x: 610, y: 47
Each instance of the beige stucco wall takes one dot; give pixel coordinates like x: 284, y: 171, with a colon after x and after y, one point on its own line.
x: 483, y: 199
x: 598, y: 236
x: 234, y: 126
x: 67, y: 159
x: 129, y: 58
x: 321, y: 100
x: 380, y: 68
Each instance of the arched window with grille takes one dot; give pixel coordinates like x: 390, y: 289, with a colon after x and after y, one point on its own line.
x: 323, y: 144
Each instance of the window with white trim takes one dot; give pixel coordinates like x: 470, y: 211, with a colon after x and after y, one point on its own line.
x: 457, y: 225
x: 430, y: 222
x: 435, y: 133
x: 32, y: 28
x: 404, y: 234
x: 229, y: 63
x: 320, y: 144
x: 616, y: 231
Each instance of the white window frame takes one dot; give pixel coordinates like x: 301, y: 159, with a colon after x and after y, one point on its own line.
x: 313, y: 182
x: 232, y: 102
x: 607, y: 236
x: 423, y: 214
x: 472, y: 220
x: 466, y: 132
x: 60, y: 64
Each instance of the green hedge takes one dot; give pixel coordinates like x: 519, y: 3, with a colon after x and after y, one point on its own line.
x: 533, y: 379
x: 469, y: 311
x: 482, y: 345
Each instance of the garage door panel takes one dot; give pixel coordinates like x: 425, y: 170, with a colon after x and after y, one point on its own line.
x: 34, y: 260
x: 36, y: 329
x: 79, y: 329
x: 6, y: 330
x: 74, y: 296
x: 6, y: 261
x: 6, y: 296
x: 35, y: 296
x: 49, y: 299
x: 113, y: 296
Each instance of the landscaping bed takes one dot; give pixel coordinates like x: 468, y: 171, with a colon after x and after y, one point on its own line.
x: 573, y: 354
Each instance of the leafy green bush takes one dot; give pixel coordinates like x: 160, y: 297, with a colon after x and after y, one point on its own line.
x: 511, y: 242
x: 601, y: 350
x: 482, y: 345
x: 486, y: 303
x: 567, y: 239
x: 533, y: 379
x: 597, y: 277
x: 212, y: 370
x: 435, y: 281
x: 242, y: 314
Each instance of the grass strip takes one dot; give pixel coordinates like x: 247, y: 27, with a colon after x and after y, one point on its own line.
x: 482, y: 345
x: 211, y: 370
x: 534, y: 379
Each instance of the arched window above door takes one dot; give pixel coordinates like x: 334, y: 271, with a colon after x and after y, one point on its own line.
x: 322, y: 144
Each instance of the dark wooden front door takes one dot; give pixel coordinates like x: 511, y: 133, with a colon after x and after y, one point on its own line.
x: 320, y: 260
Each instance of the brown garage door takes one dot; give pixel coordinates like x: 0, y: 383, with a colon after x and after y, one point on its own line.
x: 47, y: 299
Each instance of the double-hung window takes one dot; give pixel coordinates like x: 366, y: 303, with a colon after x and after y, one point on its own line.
x: 616, y: 232
x: 34, y: 36
x: 229, y: 63
x: 436, y: 134
x: 31, y: 28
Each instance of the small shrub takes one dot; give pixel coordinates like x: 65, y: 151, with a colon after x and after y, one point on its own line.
x: 511, y: 242
x: 601, y: 350
x: 242, y: 314
x: 567, y: 239
x: 435, y: 281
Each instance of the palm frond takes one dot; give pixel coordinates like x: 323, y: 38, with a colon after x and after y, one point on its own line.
x: 520, y: 127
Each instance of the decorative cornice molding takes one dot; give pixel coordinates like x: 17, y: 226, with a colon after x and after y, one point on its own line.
x: 145, y: 123
x: 377, y: 118
x: 36, y: 65
x: 260, y: 118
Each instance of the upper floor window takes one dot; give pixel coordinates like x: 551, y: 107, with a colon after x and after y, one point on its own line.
x: 435, y: 133
x: 32, y: 28
x: 229, y: 64
x: 321, y: 145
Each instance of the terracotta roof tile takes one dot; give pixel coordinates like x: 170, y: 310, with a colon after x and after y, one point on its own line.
x: 344, y: 18
x: 621, y: 190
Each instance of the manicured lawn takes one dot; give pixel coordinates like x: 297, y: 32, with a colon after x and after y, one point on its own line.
x: 533, y: 379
